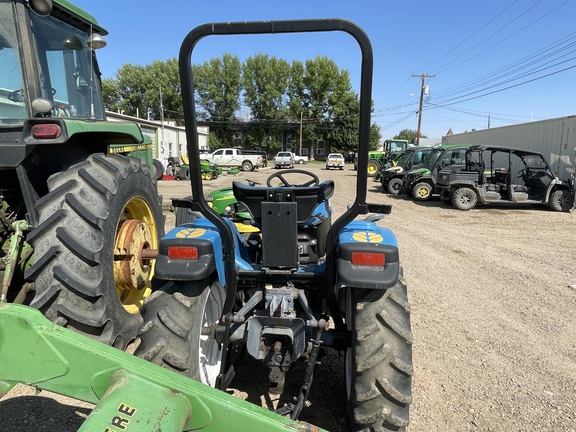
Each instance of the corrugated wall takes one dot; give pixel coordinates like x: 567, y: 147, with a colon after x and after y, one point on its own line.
x: 554, y: 138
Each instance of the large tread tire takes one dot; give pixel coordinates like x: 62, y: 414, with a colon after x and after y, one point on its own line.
x: 561, y: 200
x: 374, y: 166
x: 158, y: 170
x: 184, y: 215
x: 394, y: 186
x: 464, y: 198
x: 174, y: 316
x: 379, y: 363
x: 74, y: 246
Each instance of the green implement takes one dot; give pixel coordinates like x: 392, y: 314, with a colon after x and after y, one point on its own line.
x: 36, y: 352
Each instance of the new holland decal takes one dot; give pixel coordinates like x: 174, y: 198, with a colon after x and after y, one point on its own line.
x: 367, y: 237
x: 191, y: 233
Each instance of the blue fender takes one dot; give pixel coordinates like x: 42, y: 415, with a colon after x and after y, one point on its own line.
x: 367, y: 256
x: 202, y: 234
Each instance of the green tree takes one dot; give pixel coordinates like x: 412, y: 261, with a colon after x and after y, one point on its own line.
x: 136, y: 90
x: 323, y: 93
x: 165, y: 77
x: 408, y: 134
x: 218, y: 85
x: 265, y: 81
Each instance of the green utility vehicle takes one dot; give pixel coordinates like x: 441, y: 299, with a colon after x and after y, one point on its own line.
x: 80, y: 216
x: 420, y: 183
x: 271, y: 293
x: 495, y: 174
x: 411, y: 159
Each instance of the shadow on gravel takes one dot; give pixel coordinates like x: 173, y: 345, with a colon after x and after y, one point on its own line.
x: 40, y: 414
x: 326, y: 407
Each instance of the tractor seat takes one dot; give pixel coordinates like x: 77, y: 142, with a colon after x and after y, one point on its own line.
x: 306, y: 197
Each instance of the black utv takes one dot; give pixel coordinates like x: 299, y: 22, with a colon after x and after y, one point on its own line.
x: 391, y: 177
x: 494, y: 174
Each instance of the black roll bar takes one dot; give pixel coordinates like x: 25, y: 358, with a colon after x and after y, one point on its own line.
x: 271, y: 27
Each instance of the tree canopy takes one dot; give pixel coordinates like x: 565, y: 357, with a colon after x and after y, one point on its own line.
x: 276, y: 93
x: 409, y: 134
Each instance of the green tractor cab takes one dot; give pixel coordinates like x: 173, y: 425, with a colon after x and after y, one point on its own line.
x: 80, y: 215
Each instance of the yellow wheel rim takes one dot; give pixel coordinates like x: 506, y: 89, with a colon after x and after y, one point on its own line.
x: 134, y: 246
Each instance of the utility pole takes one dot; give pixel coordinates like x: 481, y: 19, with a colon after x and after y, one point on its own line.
x: 300, y: 153
x: 423, y: 78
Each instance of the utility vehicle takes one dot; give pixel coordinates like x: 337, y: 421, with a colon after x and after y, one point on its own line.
x: 300, y: 284
x: 420, y: 183
x: 494, y: 174
x: 80, y: 216
x: 412, y: 159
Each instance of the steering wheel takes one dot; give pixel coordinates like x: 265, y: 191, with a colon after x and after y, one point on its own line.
x: 521, y: 173
x: 280, y: 175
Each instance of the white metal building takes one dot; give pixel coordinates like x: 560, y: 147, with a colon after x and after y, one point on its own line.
x: 554, y: 138
x: 168, y: 140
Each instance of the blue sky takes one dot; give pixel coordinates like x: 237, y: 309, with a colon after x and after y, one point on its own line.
x: 503, y: 61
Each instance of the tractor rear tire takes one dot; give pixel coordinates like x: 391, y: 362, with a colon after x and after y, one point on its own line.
x: 379, y: 361
x: 94, y: 221
x: 374, y: 166
x: 184, y: 215
x: 174, y: 317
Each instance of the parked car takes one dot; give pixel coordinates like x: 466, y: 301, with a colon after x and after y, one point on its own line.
x: 494, y: 174
x: 335, y: 160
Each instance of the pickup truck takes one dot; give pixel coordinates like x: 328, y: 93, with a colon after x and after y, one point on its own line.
x: 299, y: 159
x: 284, y: 160
x: 234, y: 158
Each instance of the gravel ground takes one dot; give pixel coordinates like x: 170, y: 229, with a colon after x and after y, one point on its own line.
x: 493, y: 294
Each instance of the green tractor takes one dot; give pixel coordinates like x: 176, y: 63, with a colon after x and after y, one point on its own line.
x: 384, y: 158
x: 80, y: 215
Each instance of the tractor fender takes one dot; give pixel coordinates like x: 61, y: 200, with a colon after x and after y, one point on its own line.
x: 203, y: 235
x: 367, y: 240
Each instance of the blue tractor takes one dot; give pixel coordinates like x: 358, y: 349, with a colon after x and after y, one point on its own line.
x: 298, y: 284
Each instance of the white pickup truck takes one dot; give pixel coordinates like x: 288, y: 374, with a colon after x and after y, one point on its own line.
x: 234, y: 158
x: 299, y: 159
x: 284, y: 159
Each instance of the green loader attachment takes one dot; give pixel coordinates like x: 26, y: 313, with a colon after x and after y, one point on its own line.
x: 130, y: 394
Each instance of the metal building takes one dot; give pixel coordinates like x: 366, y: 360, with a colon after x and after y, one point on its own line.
x: 554, y: 138
x: 169, y: 140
